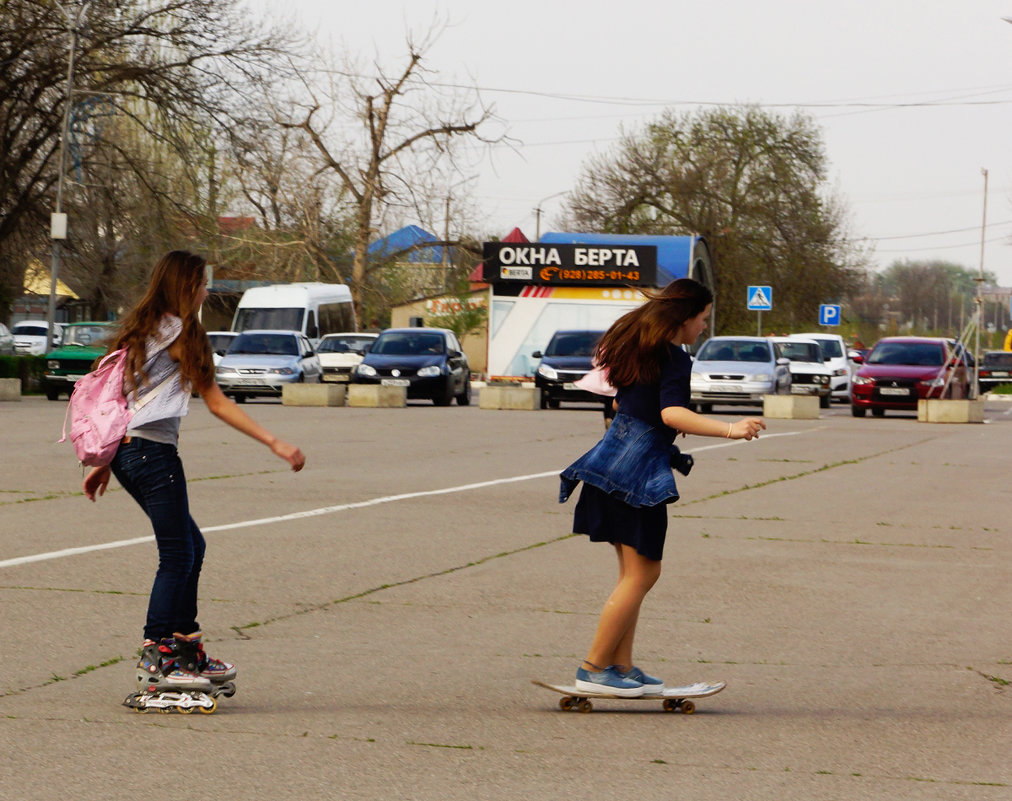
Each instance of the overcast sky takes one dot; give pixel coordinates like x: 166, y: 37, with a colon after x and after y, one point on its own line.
x: 914, y: 97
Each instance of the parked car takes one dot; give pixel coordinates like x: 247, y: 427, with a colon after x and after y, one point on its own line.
x: 6, y: 341
x: 429, y: 362
x: 567, y: 358
x: 809, y: 371
x: 81, y: 344
x: 738, y: 371
x: 30, y: 337
x: 995, y: 370
x: 899, y: 371
x: 340, y: 354
x: 260, y: 363
x: 834, y: 352
x: 220, y: 342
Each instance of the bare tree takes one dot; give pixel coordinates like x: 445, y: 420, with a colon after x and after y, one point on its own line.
x: 406, y: 129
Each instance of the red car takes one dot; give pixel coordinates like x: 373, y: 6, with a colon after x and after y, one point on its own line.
x: 899, y: 371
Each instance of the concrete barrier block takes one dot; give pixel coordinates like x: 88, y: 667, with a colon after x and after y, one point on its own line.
x: 376, y: 396
x: 10, y: 389
x: 313, y: 394
x: 791, y: 407
x: 510, y: 397
x: 936, y: 410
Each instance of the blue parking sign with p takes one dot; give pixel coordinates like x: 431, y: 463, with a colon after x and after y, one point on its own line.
x: 829, y: 314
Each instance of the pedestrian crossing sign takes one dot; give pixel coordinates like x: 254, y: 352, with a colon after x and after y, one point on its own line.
x: 760, y: 298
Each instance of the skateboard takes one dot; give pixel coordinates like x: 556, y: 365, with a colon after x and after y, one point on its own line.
x: 673, y: 699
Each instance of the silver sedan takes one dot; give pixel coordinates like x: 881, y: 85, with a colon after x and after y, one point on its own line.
x: 737, y: 371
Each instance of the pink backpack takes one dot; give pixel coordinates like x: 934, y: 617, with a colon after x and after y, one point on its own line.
x: 98, y: 411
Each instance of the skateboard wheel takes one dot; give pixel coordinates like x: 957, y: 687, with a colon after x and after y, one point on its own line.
x: 566, y: 703
x: 688, y: 707
x: 584, y: 706
x: 671, y: 704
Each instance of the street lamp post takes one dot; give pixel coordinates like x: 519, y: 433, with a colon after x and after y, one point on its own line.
x: 58, y: 220
x: 537, y: 215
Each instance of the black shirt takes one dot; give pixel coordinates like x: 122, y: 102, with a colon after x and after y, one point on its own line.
x: 645, y: 401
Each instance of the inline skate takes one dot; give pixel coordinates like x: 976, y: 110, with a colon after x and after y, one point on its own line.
x: 168, y: 678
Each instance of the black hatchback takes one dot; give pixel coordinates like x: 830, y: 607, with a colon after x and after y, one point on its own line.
x: 428, y: 362
x: 567, y: 358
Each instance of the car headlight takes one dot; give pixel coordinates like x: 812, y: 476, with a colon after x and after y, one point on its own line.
x: 53, y: 364
x: 861, y: 380
x: 937, y: 381
x: 430, y: 371
x: 366, y: 369
x: 219, y: 370
x: 760, y: 377
x: 840, y: 371
x: 548, y: 372
x: 281, y: 371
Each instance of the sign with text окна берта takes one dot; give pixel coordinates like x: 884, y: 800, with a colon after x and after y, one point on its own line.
x: 573, y: 265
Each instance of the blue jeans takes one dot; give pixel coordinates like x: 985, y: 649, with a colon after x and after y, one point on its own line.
x: 153, y: 474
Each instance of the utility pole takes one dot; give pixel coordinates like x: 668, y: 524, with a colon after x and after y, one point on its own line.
x: 58, y: 220
x: 980, y: 301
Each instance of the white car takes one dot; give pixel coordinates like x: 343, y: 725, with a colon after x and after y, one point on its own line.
x: 738, y: 371
x: 340, y: 354
x: 30, y: 337
x: 834, y: 352
x: 220, y: 342
x: 810, y: 375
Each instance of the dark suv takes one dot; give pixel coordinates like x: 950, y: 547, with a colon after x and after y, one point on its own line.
x: 568, y: 358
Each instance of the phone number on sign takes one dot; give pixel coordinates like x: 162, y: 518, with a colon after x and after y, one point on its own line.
x: 556, y: 274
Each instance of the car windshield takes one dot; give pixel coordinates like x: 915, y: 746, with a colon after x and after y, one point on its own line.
x: 344, y: 344
x: 274, y: 344
x: 408, y: 343
x: 573, y: 343
x: 220, y: 341
x: 800, y: 352
x: 281, y: 319
x: 922, y: 354
x: 85, y: 334
x: 733, y: 350
x: 1000, y: 359
x: 30, y: 329
x: 830, y: 348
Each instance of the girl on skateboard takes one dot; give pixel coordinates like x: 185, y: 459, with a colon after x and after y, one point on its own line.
x: 169, y: 354
x: 627, y: 478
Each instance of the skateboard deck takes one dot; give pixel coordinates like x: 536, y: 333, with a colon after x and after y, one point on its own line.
x: 673, y: 699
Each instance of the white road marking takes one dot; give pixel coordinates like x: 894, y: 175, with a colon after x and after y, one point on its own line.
x: 327, y: 510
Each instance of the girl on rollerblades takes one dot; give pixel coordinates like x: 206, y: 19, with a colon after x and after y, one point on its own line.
x: 169, y: 356
x: 627, y: 477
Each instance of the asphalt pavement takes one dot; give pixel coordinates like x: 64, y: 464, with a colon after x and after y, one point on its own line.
x: 388, y: 607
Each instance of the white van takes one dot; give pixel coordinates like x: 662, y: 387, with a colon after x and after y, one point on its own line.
x: 312, y: 309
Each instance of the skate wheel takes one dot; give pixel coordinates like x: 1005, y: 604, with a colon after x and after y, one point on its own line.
x: 688, y: 707
x: 141, y: 710
x: 228, y: 689
x: 584, y: 706
x: 671, y: 704
x: 185, y: 710
x: 567, y: 703
x: 164, y: 710
x: 207, y: 710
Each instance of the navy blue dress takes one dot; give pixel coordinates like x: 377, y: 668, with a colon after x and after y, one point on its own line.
x: 605, y: 518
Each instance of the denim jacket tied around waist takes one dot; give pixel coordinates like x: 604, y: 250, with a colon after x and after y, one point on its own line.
x: 632, y: 463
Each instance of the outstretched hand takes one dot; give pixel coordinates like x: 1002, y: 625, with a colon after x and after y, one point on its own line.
x: 747, y: 428
x: 95, y: 482
x: 290, y: 454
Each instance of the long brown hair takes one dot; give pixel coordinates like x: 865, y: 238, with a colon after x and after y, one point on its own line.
x: 633, y: 348
x: 173, y: 289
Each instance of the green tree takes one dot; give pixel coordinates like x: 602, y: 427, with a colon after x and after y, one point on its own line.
x: 753, y: 183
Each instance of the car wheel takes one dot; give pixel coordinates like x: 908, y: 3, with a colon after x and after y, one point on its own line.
x: 553, y: 404
x: 854, y: 410
x: 824, y: 402
x: 544, y: 400
x: 53, y: 394
x: 705, y: 408
x: 464, y: 398
x: 878, y: 412
x: 239, y: 398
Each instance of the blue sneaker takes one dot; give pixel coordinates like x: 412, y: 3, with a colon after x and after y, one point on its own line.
x: 608, y: 681
x: 651, y: 684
